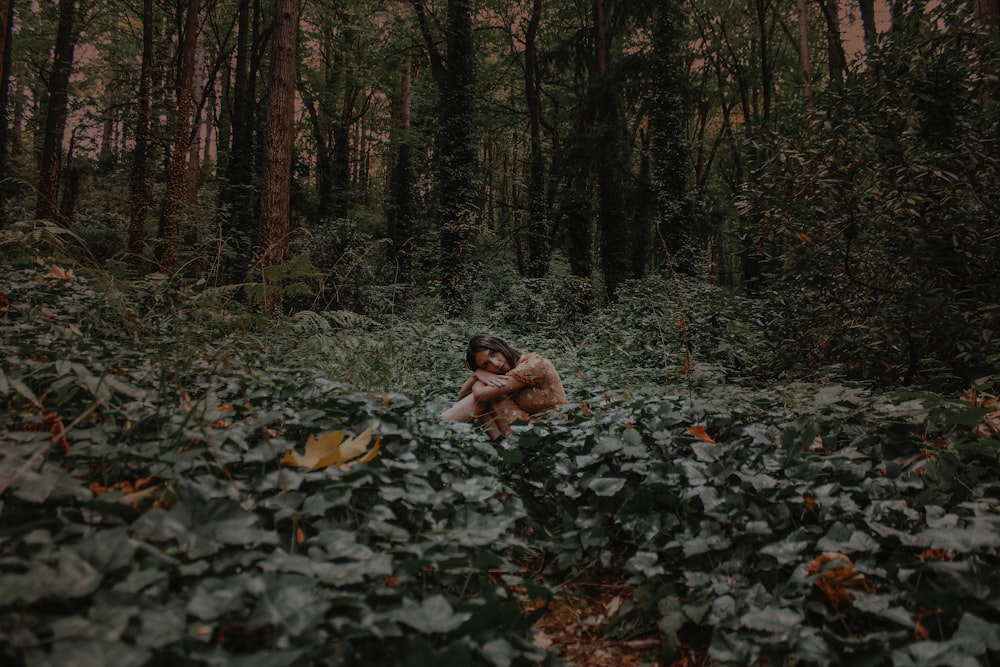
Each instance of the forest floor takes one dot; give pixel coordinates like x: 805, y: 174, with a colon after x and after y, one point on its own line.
x: 574, y: 626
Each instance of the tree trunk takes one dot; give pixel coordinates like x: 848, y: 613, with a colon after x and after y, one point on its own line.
x: 455, y: 154
x: 402, y: 205
x: 139, y: 180
x: 193, y: 176
x: 670, y: 168
x: 107, y: 130
x: 610, y: 171
x: 275, y: 195
x: 6, y: 31
x: 867, y: 10
x: 804, y: 60
x: 176, y: 199
x: 988, y: 13
x: 836, y: 57
x: 46, y: 207
x: 71, y: 190
x: 766, y: 73
x: 539, y: 237
x: 236, y: 192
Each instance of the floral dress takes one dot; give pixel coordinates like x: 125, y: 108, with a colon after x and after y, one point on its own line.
x: 544, y: 391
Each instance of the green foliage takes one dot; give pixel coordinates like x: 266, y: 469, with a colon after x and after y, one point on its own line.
x: 879, y: 217
x: 146, y: 517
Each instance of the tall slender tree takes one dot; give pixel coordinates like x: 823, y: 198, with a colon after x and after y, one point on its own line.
x: 455, y: 152
x: 835, y: 55
x: 671, y: 157
x: 6, y: 48
x: 804, y: 59
x: 177, y: 199
x: 56, y: 112
x: 869, y: 28
x: 610, y: 171
x: 539, y: 238
x: 139, y: 179
x: 236, y: 190
x: 275, y: 194
x: 401, y: 204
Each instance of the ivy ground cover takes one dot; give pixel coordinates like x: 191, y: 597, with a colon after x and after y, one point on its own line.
x: 155, y: 509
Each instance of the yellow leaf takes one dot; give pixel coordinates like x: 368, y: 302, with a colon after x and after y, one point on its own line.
x: 355, y: 447
x: 316, y: 450
x: 373, y: 452
x: 326, y: 449
x: 331, y: 448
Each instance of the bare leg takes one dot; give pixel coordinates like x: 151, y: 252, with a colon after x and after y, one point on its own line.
x: 463, y: 411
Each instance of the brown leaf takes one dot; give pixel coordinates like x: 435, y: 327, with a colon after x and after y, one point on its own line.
x: 700, y: 433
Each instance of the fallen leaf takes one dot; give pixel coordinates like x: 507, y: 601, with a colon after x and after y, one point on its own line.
x: 331, y: 448
x: 838, y: 578
x: 701, y: 434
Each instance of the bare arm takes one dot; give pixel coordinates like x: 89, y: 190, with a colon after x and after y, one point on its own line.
x: 487, y: 386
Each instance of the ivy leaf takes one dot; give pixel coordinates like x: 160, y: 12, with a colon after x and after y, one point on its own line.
x: 434, y: 615
x: 97, y: 653
x: 607, y: 486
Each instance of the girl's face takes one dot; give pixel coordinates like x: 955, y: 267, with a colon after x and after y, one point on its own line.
x: 492, y: 361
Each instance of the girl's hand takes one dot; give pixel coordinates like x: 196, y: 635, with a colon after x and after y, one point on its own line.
x: 491, y: 379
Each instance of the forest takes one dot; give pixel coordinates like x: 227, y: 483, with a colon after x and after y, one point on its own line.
x: 244, y: 245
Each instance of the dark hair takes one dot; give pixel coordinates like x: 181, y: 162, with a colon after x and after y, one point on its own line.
x: 492, y: 344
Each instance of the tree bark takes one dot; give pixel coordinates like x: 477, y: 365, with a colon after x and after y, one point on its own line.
x: 539, y: 237
x: 236, y: 192
x: 176, y: 199
x: 139, y: 180
x: 836, y: 58
x: 107, y: 130
x: 616, y: 253
x: 401, y: 209
x: 804, y: 60
x: 455, y: 154
x: 57, y: 108
x: 275, y: 196
x: 867, y: 10
x: 988, y: 13
x: 6, y: 31
x: 670, y: 168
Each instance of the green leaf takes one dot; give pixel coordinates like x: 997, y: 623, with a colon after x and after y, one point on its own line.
x: 96, y: 653
x: 432, y: 616
x: 607, y: 486
x: 773, y: 619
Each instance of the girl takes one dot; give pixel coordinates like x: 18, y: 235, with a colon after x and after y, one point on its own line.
x: 505, y: 386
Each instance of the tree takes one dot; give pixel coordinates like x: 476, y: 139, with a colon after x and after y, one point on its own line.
x: 870, y: 31
x: 6, y: 46
x: 836, y: 58
x: 539, y: 235
x: 401, y: 204
x: 56, y: 112
x: 671, y: 155
x: 988, y: 13
x: 275, y: 195
x: 807, y: 74
x: 236, y: 190
x: 177, y: 198
x: 455, y: 152
x: 139, y: 179
x: 616, y: 252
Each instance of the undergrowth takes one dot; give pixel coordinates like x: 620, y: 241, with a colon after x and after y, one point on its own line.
x: 150, y: 516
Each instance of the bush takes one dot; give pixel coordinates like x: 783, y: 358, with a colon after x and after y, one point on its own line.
x: 880, y: 217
